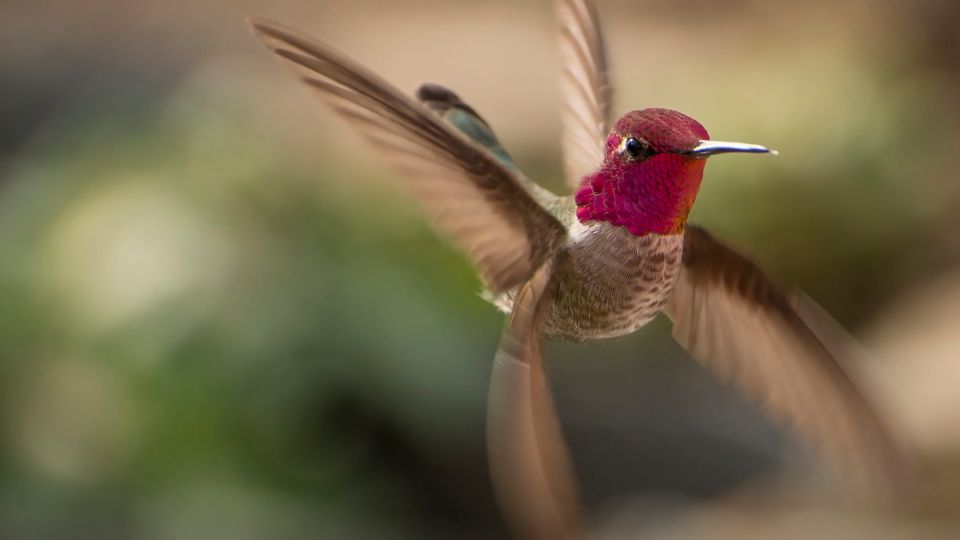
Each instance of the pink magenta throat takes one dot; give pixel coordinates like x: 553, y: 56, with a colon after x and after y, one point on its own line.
x: 653, y: 196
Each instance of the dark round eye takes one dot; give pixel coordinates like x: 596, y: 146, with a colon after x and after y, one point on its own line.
x: 635, y: 148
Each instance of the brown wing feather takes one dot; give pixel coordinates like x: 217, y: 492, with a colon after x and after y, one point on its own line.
x: 731, y: 318
x: 532, y: 474
x: 586, y: 89
x: 469, y: 195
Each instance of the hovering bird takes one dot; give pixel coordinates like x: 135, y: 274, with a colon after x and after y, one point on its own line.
x: 596, y: 264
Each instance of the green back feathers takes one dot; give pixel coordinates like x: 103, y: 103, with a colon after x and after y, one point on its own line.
x: 455, y: 111
x: 463, y: 117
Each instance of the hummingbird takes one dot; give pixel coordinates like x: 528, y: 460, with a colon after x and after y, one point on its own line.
x: 597, y: 263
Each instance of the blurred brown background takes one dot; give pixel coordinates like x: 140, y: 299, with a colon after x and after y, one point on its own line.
x: 220, y: 318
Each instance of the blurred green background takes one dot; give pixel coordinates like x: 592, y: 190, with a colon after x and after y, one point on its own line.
x: 221, y: 318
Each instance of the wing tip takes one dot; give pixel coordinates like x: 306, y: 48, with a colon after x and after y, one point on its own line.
x: 262, y: 24
x: 259, y: 25
x: 265, y: 30
x: 273, y: 35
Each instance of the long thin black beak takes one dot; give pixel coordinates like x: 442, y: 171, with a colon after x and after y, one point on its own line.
x: 709, y: 148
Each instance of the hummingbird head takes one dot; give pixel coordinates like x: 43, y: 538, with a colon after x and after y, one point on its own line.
x: 651, y: 172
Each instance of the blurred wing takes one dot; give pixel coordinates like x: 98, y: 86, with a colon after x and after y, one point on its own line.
x: 529, y: 463
x: 586, y: 89
x: 732, y: 319
x: 470, y: 195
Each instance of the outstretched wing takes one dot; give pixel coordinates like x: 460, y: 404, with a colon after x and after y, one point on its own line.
x: 470, y: 196
x: 532, y: 474
x: 587, y: 93
x: 731, y: 318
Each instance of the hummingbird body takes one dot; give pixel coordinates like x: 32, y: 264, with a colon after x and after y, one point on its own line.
x: 609, y: 282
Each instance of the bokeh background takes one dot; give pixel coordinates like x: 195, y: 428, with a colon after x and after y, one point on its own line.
x: 221, y: 318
